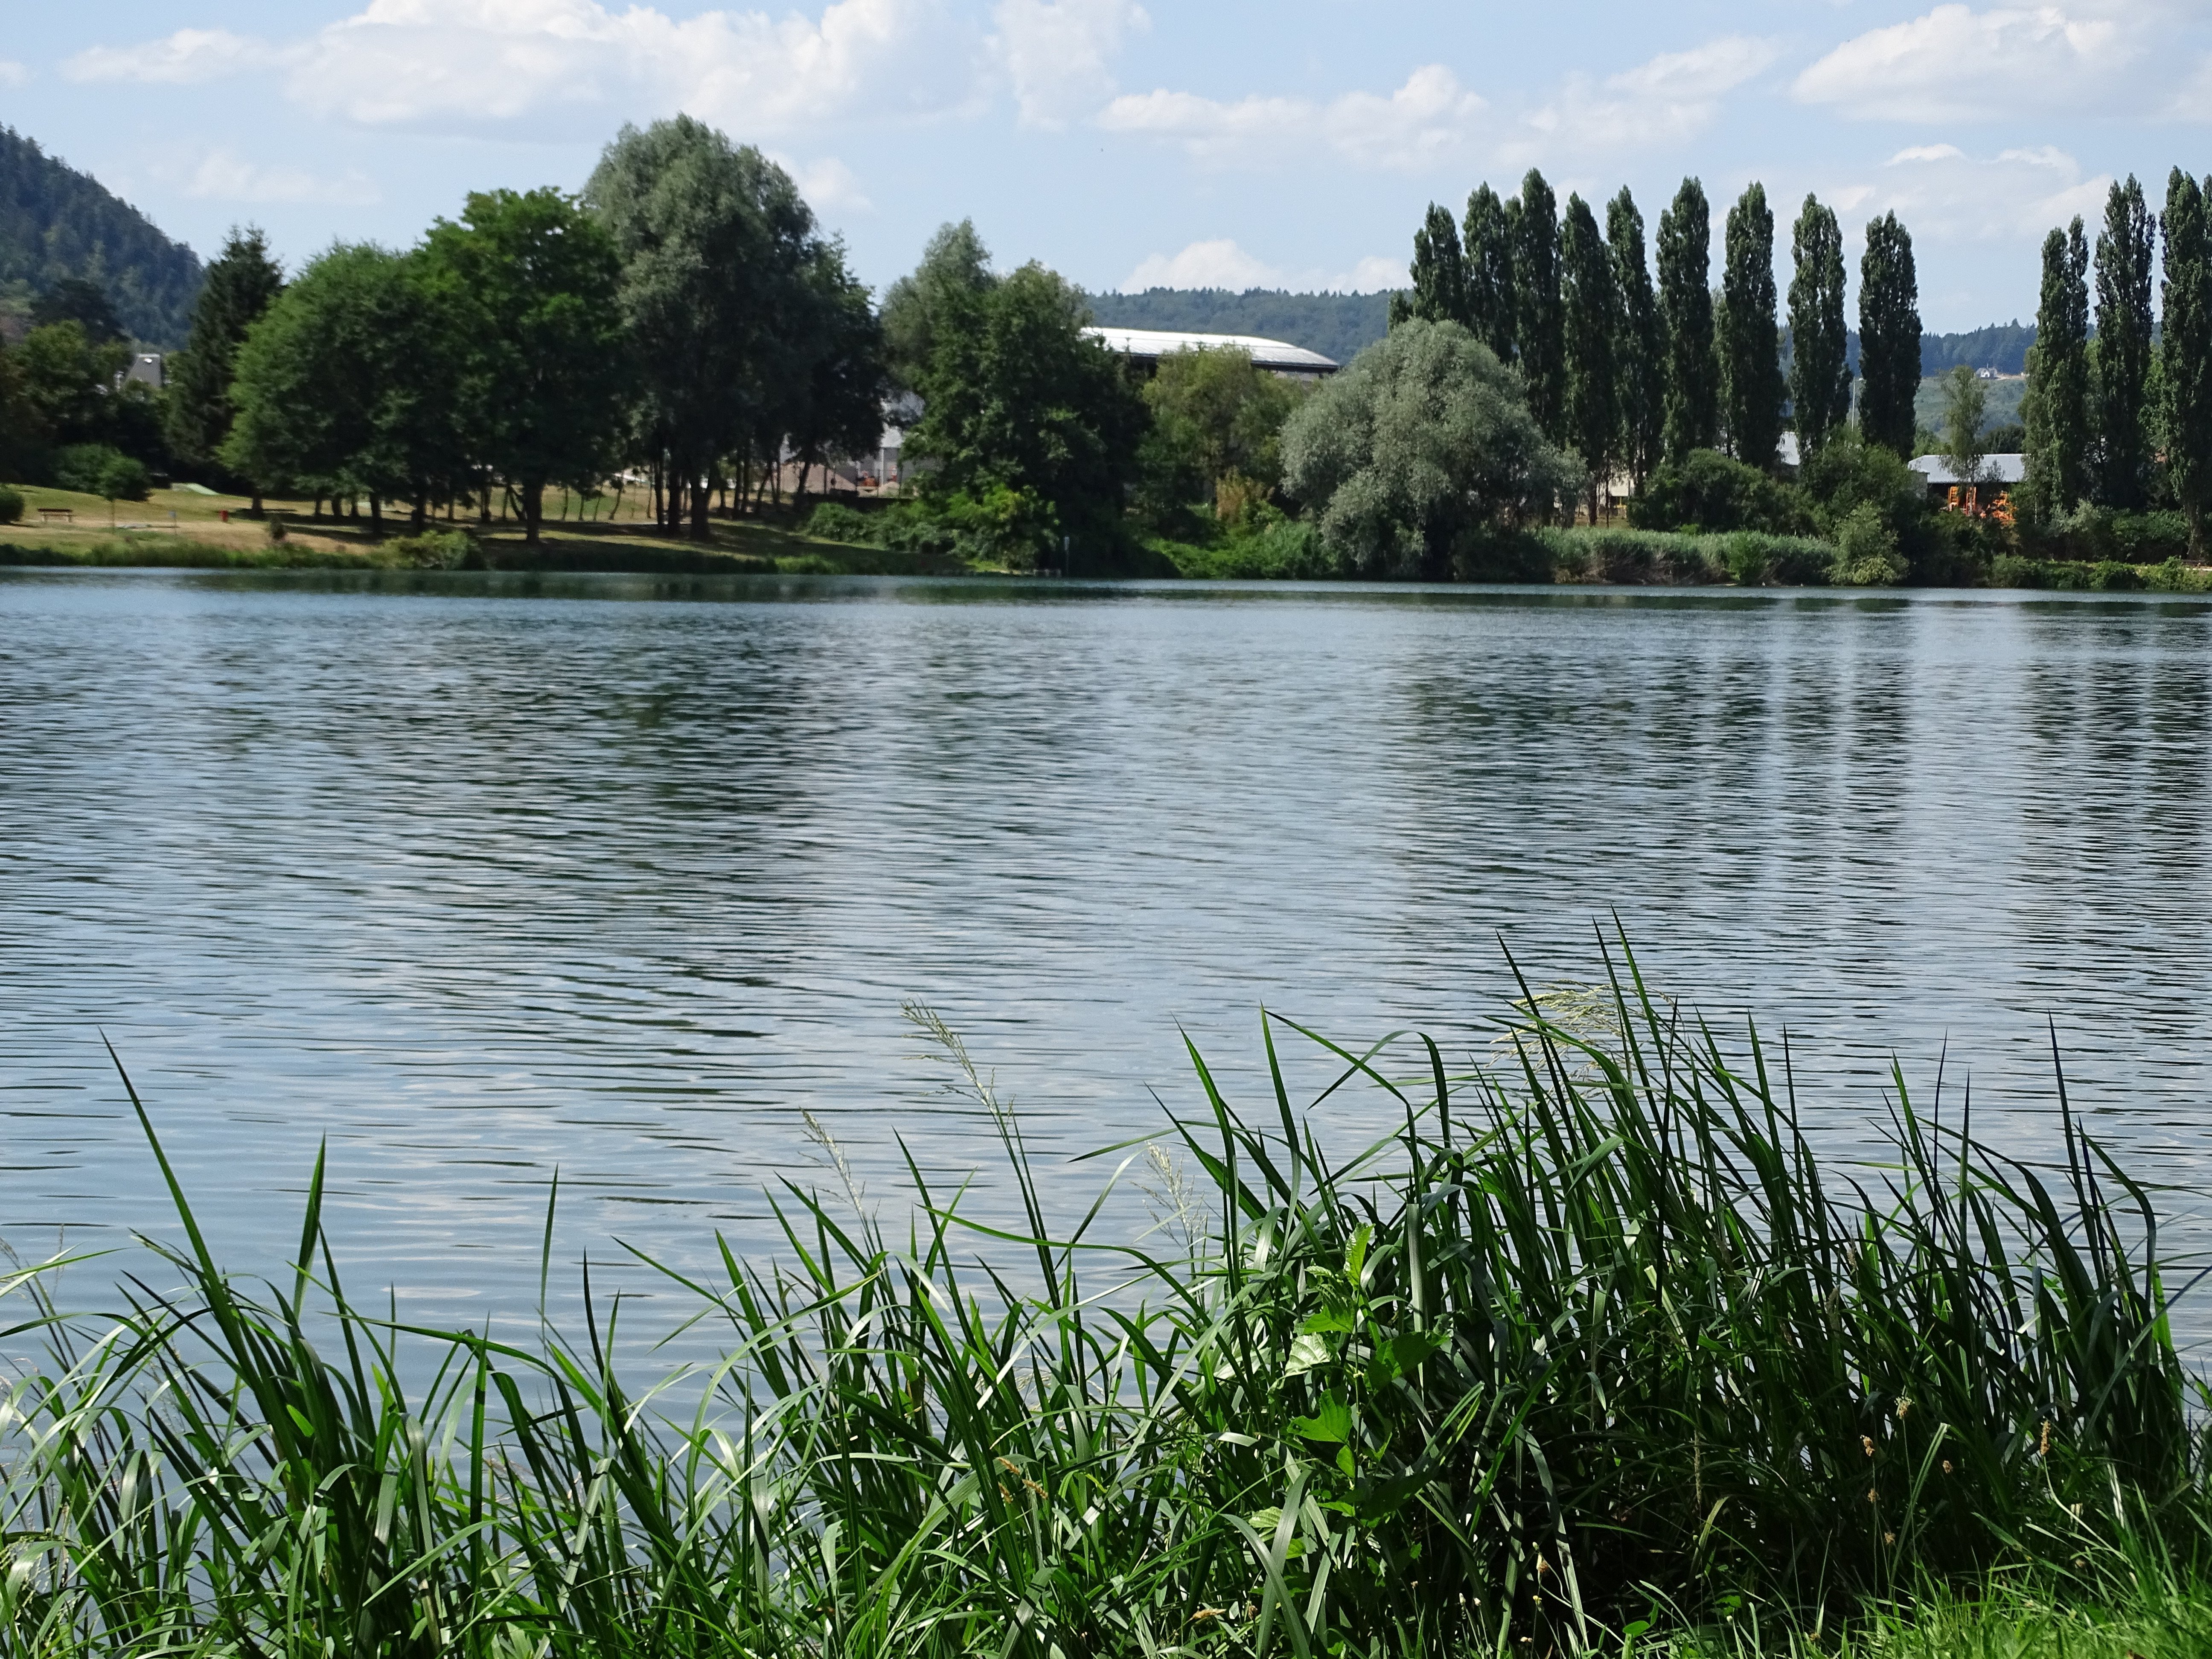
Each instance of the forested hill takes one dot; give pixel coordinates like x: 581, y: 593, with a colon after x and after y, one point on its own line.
x: 1334, y: 325
x: 1338, y: 324
x: 56, y: 222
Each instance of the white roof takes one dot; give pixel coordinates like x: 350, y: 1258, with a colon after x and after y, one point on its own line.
x: 1268, y: 353
x: 1995, y: 469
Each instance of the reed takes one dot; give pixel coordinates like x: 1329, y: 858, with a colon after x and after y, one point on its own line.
x: 1588, y: 1352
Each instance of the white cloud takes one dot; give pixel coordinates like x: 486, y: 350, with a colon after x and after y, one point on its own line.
x: 828, y: 184
x: 446, y: 63
x: 183, y: 58
x: 1059, y: 53
x: 1955, y: 63
x: 1222, y: 263
x: 222, y: 175
x: 1665, y: 100
x: 13, y: 74
x: 1946, y: 195
x: 1429, y: 118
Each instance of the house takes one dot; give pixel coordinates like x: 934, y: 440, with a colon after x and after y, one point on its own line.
x: 1989, y: 492
x: 1146, y: 347
x: 147, y: 369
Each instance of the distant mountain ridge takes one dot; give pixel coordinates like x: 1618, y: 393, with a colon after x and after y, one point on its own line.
x: 1339, y: 324
x: 57, y: 222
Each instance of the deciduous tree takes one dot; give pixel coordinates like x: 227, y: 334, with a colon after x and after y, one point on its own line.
x: 2186, y: 351
x: 1488, y: 252
x: 954, y: 271
x: 1889, y: 336
x: 1751, y: 348
x: 1639, y: 344
x: 1686, y: 313
x: 1540, y: 315
x: 1438, y: 270
x: 1590, y: 304
x: 2126, y: 249
x: 1819, y: 372
x: 2055, y: 409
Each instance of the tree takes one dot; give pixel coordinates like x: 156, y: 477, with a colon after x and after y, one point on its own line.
x: 349, y: 383
x: 715, y: 244
x: 1685, y: 315
x: 1819, y: 372
x: 1639, y: 345
x: 1965, y: 404
x: 1889, y: 336
x: 68, y: 381
x: 2057, y: 407
x: 241, y: 284
x: 837, y: 405
x: 1540, y: 316
x: 1590, y: 304
x: 2186, y: 351
x: 1439, y: 270
x: 81, y: 300
x: 1751, y: 348
x: 1021, y: 408
x: 2125, y: 251
x: 1226, y: 411
x: 1488, y: 253
x: 22, y: 429
x: 534, y: 283
x: 1422, y: 446
x: 955, y: 271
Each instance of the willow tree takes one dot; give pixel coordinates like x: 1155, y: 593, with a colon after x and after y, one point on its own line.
x: 1820, y: 368
x: 1889, y: 336
x: 1751, y: 348
x: 2185, y: 352
x: 1639, y: 345
x: 2057, y: 407
x: 2126, y: 249
x: 1685, y: 315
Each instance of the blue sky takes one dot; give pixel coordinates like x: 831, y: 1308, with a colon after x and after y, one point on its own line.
x: 1292, y: 144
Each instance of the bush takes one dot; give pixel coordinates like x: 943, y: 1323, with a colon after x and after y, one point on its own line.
x: 1866, y: 550
x: 834, y: 522
x: 104, y: 471
x: 1631, y: 558
x: 277, y: 530
x: 1710, y: 491
x: 1848, y: 473
x: 11, y: 505
x: 434, y: 549
x: 1018, y: 529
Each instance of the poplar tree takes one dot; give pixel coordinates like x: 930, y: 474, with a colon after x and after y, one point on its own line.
x: 1819, y: 370
x: 2122, y: 435
x: 1439, y: 271
x: 1539, y: 317
x: 242, y: 283
x: 1639, y: 347
x: 1751, y: 348
x: 2057, y: 407
x: 2185, y: 352
x: 1686, y: 317
x: 1488, y: 250
x: 1889, y: 336
x: 1589, y: 302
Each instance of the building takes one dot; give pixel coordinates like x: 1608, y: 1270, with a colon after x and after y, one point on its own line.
x: 1997, y: 472
x: 1146, y: 346
x: 147, y: 369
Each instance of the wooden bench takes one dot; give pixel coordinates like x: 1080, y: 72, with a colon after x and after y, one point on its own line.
x: 48, y: 514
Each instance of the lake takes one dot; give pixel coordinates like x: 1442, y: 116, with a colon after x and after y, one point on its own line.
x: 479, y: 877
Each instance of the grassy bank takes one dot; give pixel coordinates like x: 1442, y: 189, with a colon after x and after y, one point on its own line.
x: 1588, y: 1354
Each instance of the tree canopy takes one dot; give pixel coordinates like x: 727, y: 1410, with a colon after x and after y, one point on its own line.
x: 1820, y: 375
x: 2057, y: 406
x: 241, y: 284
x: 1751, y: 359
x: 1685, y: 312
x: 1889, y: 334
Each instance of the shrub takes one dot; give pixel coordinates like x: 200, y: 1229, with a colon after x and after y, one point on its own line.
x: 1848, y: 473
x: 1631, y: 558
x: 434, y: 549
x: 11, y: 505
x: 104, y: 471
x: 1709, y: 490
x: 1866, y: 550
x: 275, y: 529
x: 834, y: 522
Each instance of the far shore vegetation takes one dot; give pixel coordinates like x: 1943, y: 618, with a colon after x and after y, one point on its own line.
x: 1591, y: 1353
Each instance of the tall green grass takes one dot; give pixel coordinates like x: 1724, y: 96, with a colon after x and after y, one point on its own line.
x: 1590, y: 1346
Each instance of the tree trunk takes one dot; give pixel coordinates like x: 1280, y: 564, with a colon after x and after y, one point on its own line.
x: 254, y: 512
x: 702, y: 498
x: 534, y: 510
x: 375, y: 517
x: 420, y: 514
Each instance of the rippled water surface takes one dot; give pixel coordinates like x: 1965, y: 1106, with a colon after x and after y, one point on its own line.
x: 477, y: 876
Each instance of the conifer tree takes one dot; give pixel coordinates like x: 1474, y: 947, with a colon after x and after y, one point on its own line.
x: 1685, y: 316
x: 1819, y: 372
x: 1751, y: 348
x: 1639, y: 349
x: 1488, y: 250
x: 1889, y: 336
x: 1590, y: 302
x: 1540, y: 319
x: 2125, y: 250
x: 2185, y: 352
x: 1439, y: 271
x: 241, y: 284
x: 2057, y: 407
